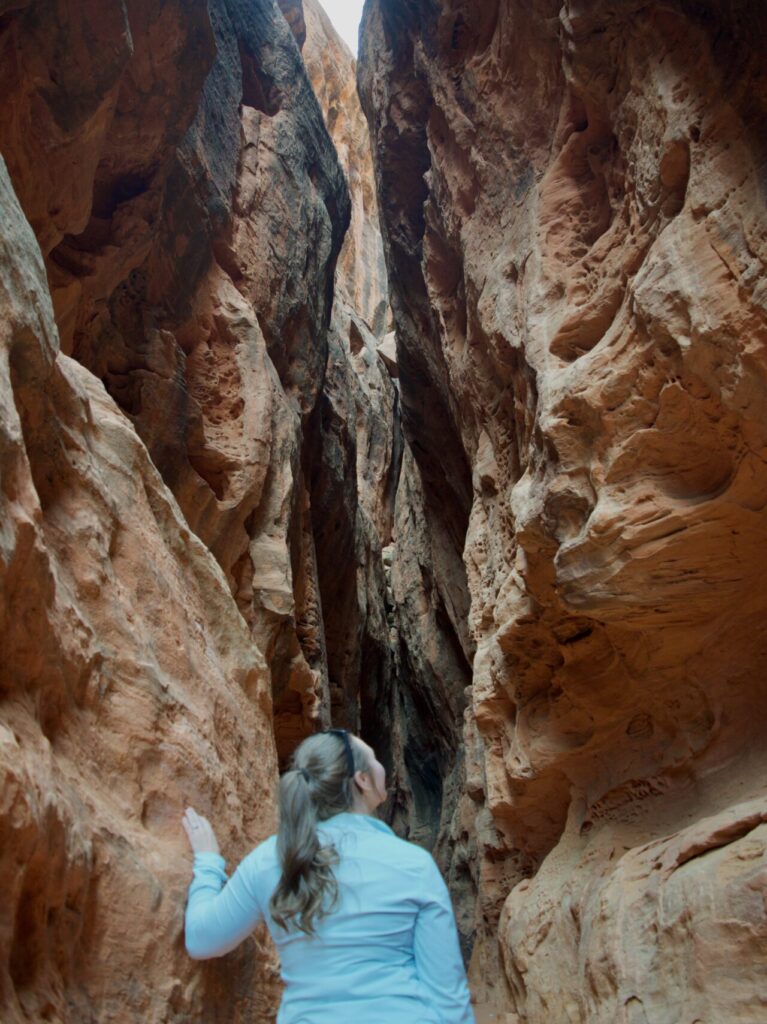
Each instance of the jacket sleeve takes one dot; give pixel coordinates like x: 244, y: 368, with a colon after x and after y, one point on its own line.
x: 220, y: 913
x: 438, y: 957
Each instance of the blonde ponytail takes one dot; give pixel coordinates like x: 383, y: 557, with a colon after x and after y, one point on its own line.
x: 319, y: 785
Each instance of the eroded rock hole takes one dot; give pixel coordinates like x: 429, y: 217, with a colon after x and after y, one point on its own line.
x: 258, y: 88
x: 108, y: 194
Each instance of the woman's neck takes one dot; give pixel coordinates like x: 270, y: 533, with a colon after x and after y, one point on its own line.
x: 359, y: 805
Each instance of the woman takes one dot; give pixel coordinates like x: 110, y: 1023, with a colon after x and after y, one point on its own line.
x: 361, y: 919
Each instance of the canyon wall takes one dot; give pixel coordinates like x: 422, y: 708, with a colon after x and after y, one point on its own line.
x: 501, y: 513
x: 360, y: 456
x: 174, y: 496
x: 572, y: 200
x: 130, y: 686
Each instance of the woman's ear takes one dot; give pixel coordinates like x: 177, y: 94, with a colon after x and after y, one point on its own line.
x: 361, y: 781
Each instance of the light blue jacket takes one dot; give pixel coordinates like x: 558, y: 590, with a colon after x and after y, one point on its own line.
x: 387, y: 954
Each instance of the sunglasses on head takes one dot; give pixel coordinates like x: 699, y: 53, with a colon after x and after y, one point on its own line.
x: 347, y: 746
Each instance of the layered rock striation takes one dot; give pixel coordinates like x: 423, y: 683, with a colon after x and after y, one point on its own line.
x: 573, y: 210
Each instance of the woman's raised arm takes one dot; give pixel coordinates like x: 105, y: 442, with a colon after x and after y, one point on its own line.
x: 220, y: 913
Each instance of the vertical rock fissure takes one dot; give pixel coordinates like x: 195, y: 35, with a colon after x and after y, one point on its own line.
x: 396, y: 665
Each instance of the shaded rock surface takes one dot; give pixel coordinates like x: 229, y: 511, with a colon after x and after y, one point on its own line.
x: 572, y: 204
x: 214, y: 458
x: 399, y: 651
x: 361, y: 280
x: 356, y: 467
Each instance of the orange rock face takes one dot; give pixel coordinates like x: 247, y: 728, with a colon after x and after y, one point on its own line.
x: 161, y: 288
x: 515, y: 540
x: 572, y: 203
x: 130, y: 687
x: 161, y: 613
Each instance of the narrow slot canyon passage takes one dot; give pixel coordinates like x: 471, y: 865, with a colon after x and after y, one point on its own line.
x: 422, y: 393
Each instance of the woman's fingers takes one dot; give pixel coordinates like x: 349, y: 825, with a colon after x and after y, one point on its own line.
x: 194, y: 818
x: 199, y: 831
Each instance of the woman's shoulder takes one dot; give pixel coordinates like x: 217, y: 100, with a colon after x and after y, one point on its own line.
x: 408, y: 849
x: 378, y: 836
x: 409, y: 855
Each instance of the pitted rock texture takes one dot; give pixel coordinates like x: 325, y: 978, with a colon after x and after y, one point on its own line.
x: 573, y: 209
x: 130, y: 687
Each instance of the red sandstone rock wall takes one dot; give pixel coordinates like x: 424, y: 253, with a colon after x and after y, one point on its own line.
x: 191, y: 269
x: 206, y: 531
x: 357, y: 462
x: 130, y: 685
x: 572, y: 198
x: 161, y: 576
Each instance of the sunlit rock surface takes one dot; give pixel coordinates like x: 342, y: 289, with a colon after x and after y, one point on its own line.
x: 162, y: 618
x: 572, y: 202
x: 130, y: 686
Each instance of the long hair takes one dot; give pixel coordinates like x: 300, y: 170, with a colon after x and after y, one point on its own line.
x: 317, y: 786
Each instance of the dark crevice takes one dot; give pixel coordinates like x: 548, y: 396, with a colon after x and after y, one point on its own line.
x: 258, y: 88
x: 111, y: 193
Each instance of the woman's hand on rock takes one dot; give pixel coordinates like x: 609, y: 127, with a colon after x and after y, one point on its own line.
x: 200, y: 832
